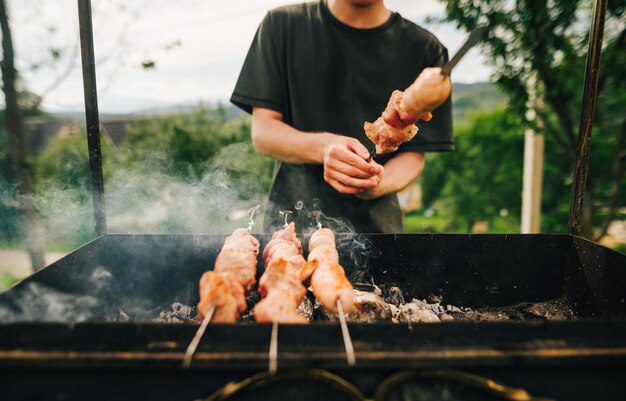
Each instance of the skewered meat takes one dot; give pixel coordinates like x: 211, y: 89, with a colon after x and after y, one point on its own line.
x: 216, y: 293
x: 238, y: 258
x: 281, y: 284
x: 329, y: 281
x: 233, y: 275
x: 282, y: 292
x: 396, y: 125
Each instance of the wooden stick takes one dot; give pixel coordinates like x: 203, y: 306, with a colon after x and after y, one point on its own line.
x: 347, y: 341
x: 273, y: 357
x: 193, y: 345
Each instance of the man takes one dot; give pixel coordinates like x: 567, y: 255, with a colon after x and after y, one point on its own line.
x: 314, y: 73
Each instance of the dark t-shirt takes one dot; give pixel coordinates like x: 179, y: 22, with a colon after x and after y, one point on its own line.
x: 323, y: 75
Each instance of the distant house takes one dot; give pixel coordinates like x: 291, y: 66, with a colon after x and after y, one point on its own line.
x: 116, y: 129
x: 42, y: 131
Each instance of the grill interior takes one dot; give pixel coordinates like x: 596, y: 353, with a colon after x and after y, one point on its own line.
x: 56, y: 339
x: 145, y: 274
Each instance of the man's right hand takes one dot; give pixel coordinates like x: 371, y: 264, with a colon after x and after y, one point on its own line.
x: 344, y: 158
x: 345, y: 165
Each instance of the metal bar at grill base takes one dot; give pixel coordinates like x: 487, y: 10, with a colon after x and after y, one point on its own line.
x: 91, y: 115
x: 590, y: 91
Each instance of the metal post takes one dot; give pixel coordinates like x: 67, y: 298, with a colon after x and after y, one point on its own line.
x: 91, y: 115
x: 592, y: 72
x: 533, y: 161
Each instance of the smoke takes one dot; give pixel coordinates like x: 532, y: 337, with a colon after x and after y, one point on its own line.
x: 33, y: 301
x: 145, y: 198
x: 354, y: 248
x: 146, y: 195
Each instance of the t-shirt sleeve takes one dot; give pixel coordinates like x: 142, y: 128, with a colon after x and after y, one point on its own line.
x: 261, y: 77
x: 436, y: 134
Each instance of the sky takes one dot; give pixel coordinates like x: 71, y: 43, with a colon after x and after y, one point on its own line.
x: 198, y: 47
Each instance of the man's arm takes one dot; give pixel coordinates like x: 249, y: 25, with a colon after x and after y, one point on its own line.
x: 344, y: 158
x: 399, y: 173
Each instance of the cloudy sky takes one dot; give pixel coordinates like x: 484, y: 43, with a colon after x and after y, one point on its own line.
x: 198, y: 47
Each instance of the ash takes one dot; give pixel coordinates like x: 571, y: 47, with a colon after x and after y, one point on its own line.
x: 381, y: 304
x: 178, y: 313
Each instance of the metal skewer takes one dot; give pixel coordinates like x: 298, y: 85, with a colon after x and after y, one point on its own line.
x: 475, y: 36
x: 372, y: 153
x: 285, y: 214
x: 193, y: 345
x: 347, y: 341
x: 251, y: 212
x: 316, y: 214
x: 273, y: 355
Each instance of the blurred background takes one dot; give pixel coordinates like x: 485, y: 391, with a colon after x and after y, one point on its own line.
x: 178, y: 157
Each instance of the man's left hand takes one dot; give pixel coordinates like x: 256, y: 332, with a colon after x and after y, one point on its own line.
x: 399, y: 172
x: 376, y: 191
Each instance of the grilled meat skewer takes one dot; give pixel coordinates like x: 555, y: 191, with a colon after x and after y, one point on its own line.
x: 396, y: 125
x: 281, y: 285
x: 329, y: 282
x: 234, y: 274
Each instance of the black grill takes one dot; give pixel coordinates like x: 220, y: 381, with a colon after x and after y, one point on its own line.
x: 144, y: 274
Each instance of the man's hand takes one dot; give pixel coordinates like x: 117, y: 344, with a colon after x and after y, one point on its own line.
x: 376, y: 191
x: 344, y: 159
x: 345, y: 165
x: 399, y: 172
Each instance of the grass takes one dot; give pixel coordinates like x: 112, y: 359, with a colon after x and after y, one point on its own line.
x: 7, y: 280
x: 65, y: 248
x: 418, y: 223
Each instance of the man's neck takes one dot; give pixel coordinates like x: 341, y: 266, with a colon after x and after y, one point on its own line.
x: 361, y: 14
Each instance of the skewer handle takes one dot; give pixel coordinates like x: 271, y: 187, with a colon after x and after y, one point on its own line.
x: 347, y: 341
x: 193, y: 345
x: 273, y: 356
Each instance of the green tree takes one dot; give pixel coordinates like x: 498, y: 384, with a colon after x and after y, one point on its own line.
x: 483, y: 178
x: 548, y: 39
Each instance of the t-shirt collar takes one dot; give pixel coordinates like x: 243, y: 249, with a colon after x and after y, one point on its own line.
x: 361, y: 31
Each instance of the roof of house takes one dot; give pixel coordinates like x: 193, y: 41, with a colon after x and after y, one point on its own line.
x: 40, y: 132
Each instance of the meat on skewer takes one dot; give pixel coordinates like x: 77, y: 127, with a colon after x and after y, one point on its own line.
x: 234, y: 274
x: 281, y: 285
x: 396, y: 125
x: 329, y: 281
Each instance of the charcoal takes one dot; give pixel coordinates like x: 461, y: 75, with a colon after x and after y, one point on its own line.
x: 252, y: 298
x: 416, y: 311
x: 306, y: 307
x: 395, y: 297
x: 178, y: 313
x: 121, y: 317
x: 369, y: 307
x: 557, y: 309
x: 451, y: 308
x: 378, y: 303
x: 320, y: 313
x: 444, y: 317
